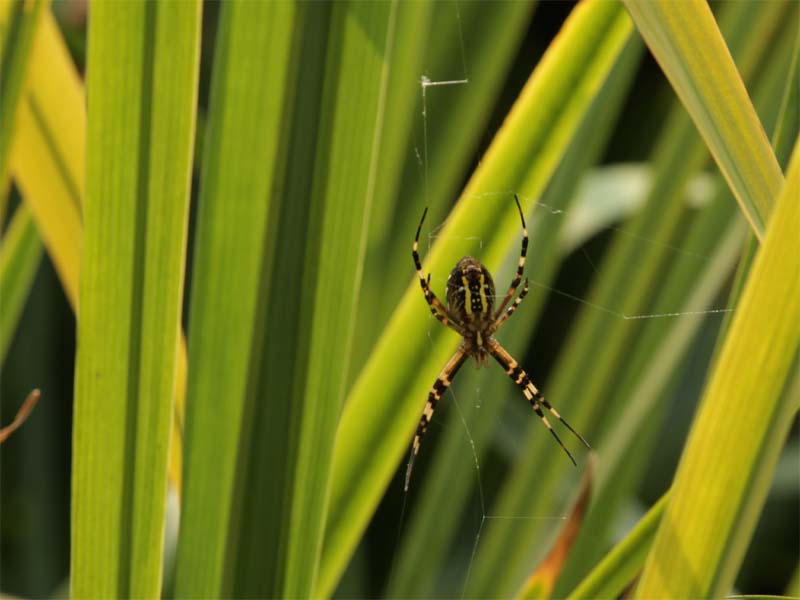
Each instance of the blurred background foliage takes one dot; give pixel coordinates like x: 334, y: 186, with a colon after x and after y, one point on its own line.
x: 635, y: 148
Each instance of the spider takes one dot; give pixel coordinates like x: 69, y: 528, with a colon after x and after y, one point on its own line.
x: 471, y: 314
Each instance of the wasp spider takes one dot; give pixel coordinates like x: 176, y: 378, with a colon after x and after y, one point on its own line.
x: 471, y: 314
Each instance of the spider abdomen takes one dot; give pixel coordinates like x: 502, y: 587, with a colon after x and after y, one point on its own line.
x: 470, y: 292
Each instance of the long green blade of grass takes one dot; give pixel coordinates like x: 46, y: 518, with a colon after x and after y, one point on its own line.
x: 733, y: 447
x: 141, y: 95
x: 685, y: 40
x: 20, y: 255
x: 20, y: 22
x: 244, y: 129
x: 385, y: 403
x: 789, y: 117
x: 783, y: 136
x: 355, y: 89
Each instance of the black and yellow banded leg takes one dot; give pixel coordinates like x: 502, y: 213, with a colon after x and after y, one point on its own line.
x: 444, y: 319
x: 437, y: 391
x: 520, y: 265
x: 520, y: 377
x: 510, y: 310
x: 438, y: 309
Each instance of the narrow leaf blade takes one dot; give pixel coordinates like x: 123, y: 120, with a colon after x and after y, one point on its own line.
x: 140, y: 141
x: 686, y: 41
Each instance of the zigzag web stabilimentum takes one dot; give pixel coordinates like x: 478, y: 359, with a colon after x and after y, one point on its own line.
x: 570, y: 221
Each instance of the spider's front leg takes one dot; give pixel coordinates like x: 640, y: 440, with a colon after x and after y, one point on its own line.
x: 511, y: 309
x: 520, y: 377
x: 438, y: 309
x: 439, y: 387
x: 520, y: 266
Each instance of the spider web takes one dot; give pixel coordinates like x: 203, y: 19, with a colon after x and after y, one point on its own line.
x: 557, y: 294
x: 564, y: 219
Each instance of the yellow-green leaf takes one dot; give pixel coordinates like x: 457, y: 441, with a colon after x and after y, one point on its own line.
x: 20, y: 255
x: 142, y: 93
x: 687, y: 43
x: 236, y: 225
x: 19, y: 21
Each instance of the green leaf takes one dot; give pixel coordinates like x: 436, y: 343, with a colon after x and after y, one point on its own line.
x: 685, y: 40
x: 20, y: 255
x: 19, y: 26
x: 743, y: 421
x: 385, y: 404
x: 139, y: 149
x: 788, y: 126
x: 342, y: 197
x: 238, y: 180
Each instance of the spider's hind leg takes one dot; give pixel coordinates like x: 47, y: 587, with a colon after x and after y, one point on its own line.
x: 439, y: 387
x: 520, y: 377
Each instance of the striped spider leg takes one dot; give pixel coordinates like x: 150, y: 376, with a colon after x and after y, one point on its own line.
x: 438, y: 309
x: 440, y: 386
x: 510, y: 310
x: 520, y: 377
x: 520, y: 267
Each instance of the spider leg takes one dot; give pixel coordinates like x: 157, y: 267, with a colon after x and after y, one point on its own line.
x: 438, y: 309
x: 444, y: 319
x: 533, y: 395
x: 439, y: 387
x: 510, y: 310
x: 520, y: 266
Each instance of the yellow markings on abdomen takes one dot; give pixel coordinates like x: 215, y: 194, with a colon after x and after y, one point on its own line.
x: 467, y: 295
x: 484, y: 303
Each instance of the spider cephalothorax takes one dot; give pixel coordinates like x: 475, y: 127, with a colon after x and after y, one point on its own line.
x: 471, y: 314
